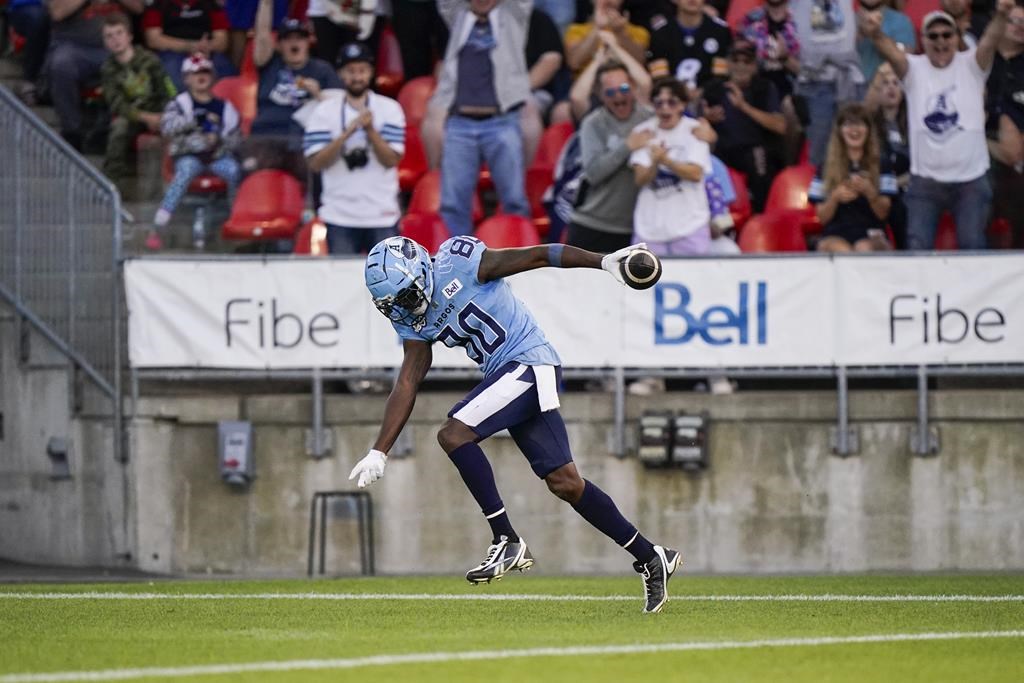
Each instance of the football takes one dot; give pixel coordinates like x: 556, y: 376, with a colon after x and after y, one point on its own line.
x: 641, y: 269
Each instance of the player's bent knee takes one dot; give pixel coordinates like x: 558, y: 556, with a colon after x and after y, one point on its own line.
x: 565, y: 484
x: 454, y: 434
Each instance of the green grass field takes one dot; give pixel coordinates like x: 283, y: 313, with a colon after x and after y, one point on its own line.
x: 790, y: 629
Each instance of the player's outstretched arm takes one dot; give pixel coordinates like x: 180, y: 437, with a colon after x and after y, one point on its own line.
x: 415, y: 363
x: 499, y: 263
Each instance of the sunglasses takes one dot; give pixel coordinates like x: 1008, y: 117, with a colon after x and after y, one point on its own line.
x: 934, y: 35
x: 666, y: 102
x: 623, y: 89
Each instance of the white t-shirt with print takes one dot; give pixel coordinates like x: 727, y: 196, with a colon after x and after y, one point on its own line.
x: 365, y: 197
x: 946, y: 118
x: 668, y: 207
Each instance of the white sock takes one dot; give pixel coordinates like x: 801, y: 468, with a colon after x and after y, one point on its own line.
x: 162, y: 218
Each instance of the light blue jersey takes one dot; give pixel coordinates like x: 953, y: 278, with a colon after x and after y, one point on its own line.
x: 486, y: 318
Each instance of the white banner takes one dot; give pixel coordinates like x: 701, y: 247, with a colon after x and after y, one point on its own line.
x: 753, y: 312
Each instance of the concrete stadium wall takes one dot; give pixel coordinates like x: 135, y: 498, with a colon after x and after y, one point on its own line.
x: 773, y: 500
x: 80, y: 521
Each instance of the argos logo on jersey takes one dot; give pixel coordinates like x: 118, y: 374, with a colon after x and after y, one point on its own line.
x: 677, y: 320
x: 452, y: 288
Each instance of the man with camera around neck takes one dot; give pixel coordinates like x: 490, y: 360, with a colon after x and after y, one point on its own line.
x: 356, y: 141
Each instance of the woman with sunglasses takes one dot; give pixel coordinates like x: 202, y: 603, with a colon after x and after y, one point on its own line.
x: 949, y: 159
x: 854, y: 190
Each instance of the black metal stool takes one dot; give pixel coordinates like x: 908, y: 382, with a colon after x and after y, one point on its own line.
x: 364, y: 515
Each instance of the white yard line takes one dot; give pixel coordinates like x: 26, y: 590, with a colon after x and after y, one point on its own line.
x: 484, y: 655
x: 523, y: 597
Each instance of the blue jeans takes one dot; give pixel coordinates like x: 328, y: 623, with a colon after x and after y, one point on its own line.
x: 820, y: 97
x: 498, y: 141
x: 969, y: 202
x: 344, y: 240
x: 172, y: 65
x: 188, y: 167
x: 71, y: 67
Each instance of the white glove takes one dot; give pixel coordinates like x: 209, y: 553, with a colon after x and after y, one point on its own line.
x: 612, y: 261
x: 369, y: 469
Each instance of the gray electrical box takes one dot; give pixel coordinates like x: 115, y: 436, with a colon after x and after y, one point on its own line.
x: 234, y: 452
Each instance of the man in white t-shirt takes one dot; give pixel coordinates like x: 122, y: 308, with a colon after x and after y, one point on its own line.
x: 356, y: 142
x: 672, y: 213
x: 946, y: 119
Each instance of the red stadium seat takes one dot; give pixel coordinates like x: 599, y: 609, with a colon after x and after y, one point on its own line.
x: 414, y: 96
x: 740, y: 208
x: 414, y: 162
x: 269, y: 206
x: 771, y: 233
x: 551, y: 143
x: 390, y: 75
x: 502, y: 231
x: 428, y: 229
x: 426, y: 197
x: 538, y: 180
x: 788, y: 195
x: 249, y: 70
x: 945, y: 234
x: 737, y: 10
x: 311, y: 239
x: 240, y: 91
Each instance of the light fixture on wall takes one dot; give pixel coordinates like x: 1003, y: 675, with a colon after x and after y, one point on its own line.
x: 670, y: 440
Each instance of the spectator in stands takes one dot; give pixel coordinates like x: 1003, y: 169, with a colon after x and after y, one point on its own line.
x: 671, y: 214
x: 421, y: 34
x: 692, y: 48
x: 853, y: 190
x: 337, y: 23
x: 1004, y: 104
x: 603, y: 217
x: 888, y: 105
x: 772, y: 31
x: 76, y: 55
x: 202, y: 131
x: 483, y: 84
x: 648, y: 13
x: 583, y: 40
x: 896, y: 25
x: 945, y: 112
x: 583, y: 96
x: 829, y: 65
x: 356, y: 141
x: 241, y: 19
x: 289, y: 78
x: 29, y: 19
x: 136, y: 89
x: 745, y: 111
x: 176, y: 29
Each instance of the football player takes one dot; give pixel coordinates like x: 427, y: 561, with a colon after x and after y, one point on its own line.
x: 460, y: 298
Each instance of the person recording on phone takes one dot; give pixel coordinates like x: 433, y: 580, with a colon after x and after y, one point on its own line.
x: 356, y: 142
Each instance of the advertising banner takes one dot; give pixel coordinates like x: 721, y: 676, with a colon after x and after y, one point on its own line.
x: 749, y: 312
